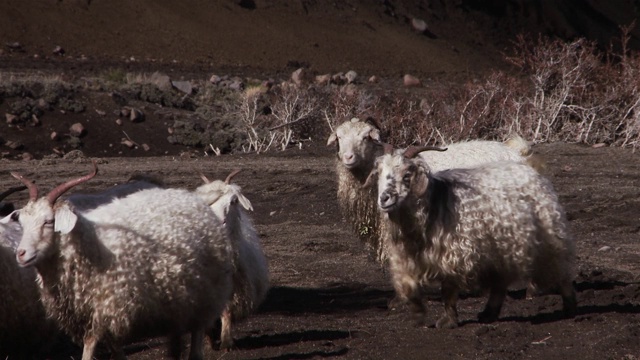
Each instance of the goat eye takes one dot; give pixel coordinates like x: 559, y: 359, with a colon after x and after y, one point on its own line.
x: 48, y: 222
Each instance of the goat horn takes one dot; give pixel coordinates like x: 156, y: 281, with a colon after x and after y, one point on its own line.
x: 204, y: 178
x: 11, y: 191
x: 230, y: 176
x: 33, y: 190
x: 61, y: 189
x: 412, y: 151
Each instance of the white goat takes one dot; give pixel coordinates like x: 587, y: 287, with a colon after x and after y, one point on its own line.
x: 358, y: 146
x: 155, y: 262
x: 483, y: 227
x: 251, y: 272
x: 25, y: 330
x: 84, y: 202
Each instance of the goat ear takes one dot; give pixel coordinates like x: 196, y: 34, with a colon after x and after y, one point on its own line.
x: 420, y: 181
x: 65, y: 219
x: 332, y: 139
x: 374, y: 134
x: 371, y: 179
x: 246, y: 204
x: 7, y: 219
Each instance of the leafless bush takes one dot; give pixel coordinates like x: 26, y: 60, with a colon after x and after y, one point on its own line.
x: 292, y: 105
x: 258, y: 139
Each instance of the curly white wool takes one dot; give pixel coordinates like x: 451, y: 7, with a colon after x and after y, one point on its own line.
x: 251, y: 272
x: 482, y: 227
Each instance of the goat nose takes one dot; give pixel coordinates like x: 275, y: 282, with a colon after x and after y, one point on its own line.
x: 348, y: 156
x: 21, y: 252
x: 384, y: 197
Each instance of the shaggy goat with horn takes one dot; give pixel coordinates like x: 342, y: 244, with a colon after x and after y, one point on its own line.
x: 479, y: 228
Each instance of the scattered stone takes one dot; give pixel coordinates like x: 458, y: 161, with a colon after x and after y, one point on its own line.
x: 128, y: 143
x: 136, y: 116
x: 350, y: 89
x: 14, y: 46
x: 11, y: 119
x: 604, y: 248
x: 125, y: 112
x: 237, y: 85
x: 34, y: 120
x: 299, y: 76
x: 215, y: 79
x: 101, y: 113
x: 411, y: 81
x: 338, y: 79
x: 184, y: 86
x: 77, y: 130
x: 54, y: 136
x: 14, y: 145
x: 373, y: 79
x: 323, y: 79
x: 170, y: 130
x: 57, y: 151
x: 119, y: 122
x: 351, y: 76
x: 58, y: 50
x: 42, y: 104
x: 598, y: 145
x: 162, y: 81
x: 418, y: 25
x: 146, y: 147
x: 27, y: 156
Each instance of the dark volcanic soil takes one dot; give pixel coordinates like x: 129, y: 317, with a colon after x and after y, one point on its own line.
x: 329, y: 299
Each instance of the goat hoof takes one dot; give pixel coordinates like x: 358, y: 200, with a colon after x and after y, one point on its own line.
x: 487, y: 316
x: 446, y: 323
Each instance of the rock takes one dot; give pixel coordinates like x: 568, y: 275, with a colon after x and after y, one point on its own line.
x: 418, y: 25
x: 184, y: 86
x: 373, y: 79
x: 128, y: 143
x: 349, y: 89
x: 125, y: 112
x: 27, y: 156
x: 119, y: 122
x: 74, y: 154
x: 34, y: 120
x: 215, y: 79
x: 237, y: 85
x: 136, y: 116
x: 58, y: 50
x: 101, y: 113
x: 170, y: 130
x: 54, y: 136
x: 411, y: 81
x: 146, y: 147
x: 300, y: 76
x: 351, y: 76
x: 77, y: 130
x: 162, y: 81
x: 11, y: 119
x: 604, y: 248
x: 599, y: 145
x: 14, y: 46
x: 14, y: 145
x: 338, y: 79
x: 323, y: 79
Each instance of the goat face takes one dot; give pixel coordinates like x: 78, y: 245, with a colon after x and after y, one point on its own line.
x: 39, y: 221
x: 356, y: 142
x: 398, y: 179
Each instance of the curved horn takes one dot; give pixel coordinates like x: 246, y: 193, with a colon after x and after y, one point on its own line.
x: 33, y: 190
x: 204, y: 178
x: 230, y: 176
x: 11, y: 191
x: 412, y: 151
x: 61, y: 189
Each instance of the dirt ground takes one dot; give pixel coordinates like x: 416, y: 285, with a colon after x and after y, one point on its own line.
x: 329, y: 299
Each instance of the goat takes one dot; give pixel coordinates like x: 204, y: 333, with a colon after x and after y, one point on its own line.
x: 155, y: 262
x: 251, y: 272
x: 483, y: 227
x: 25, y: 330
